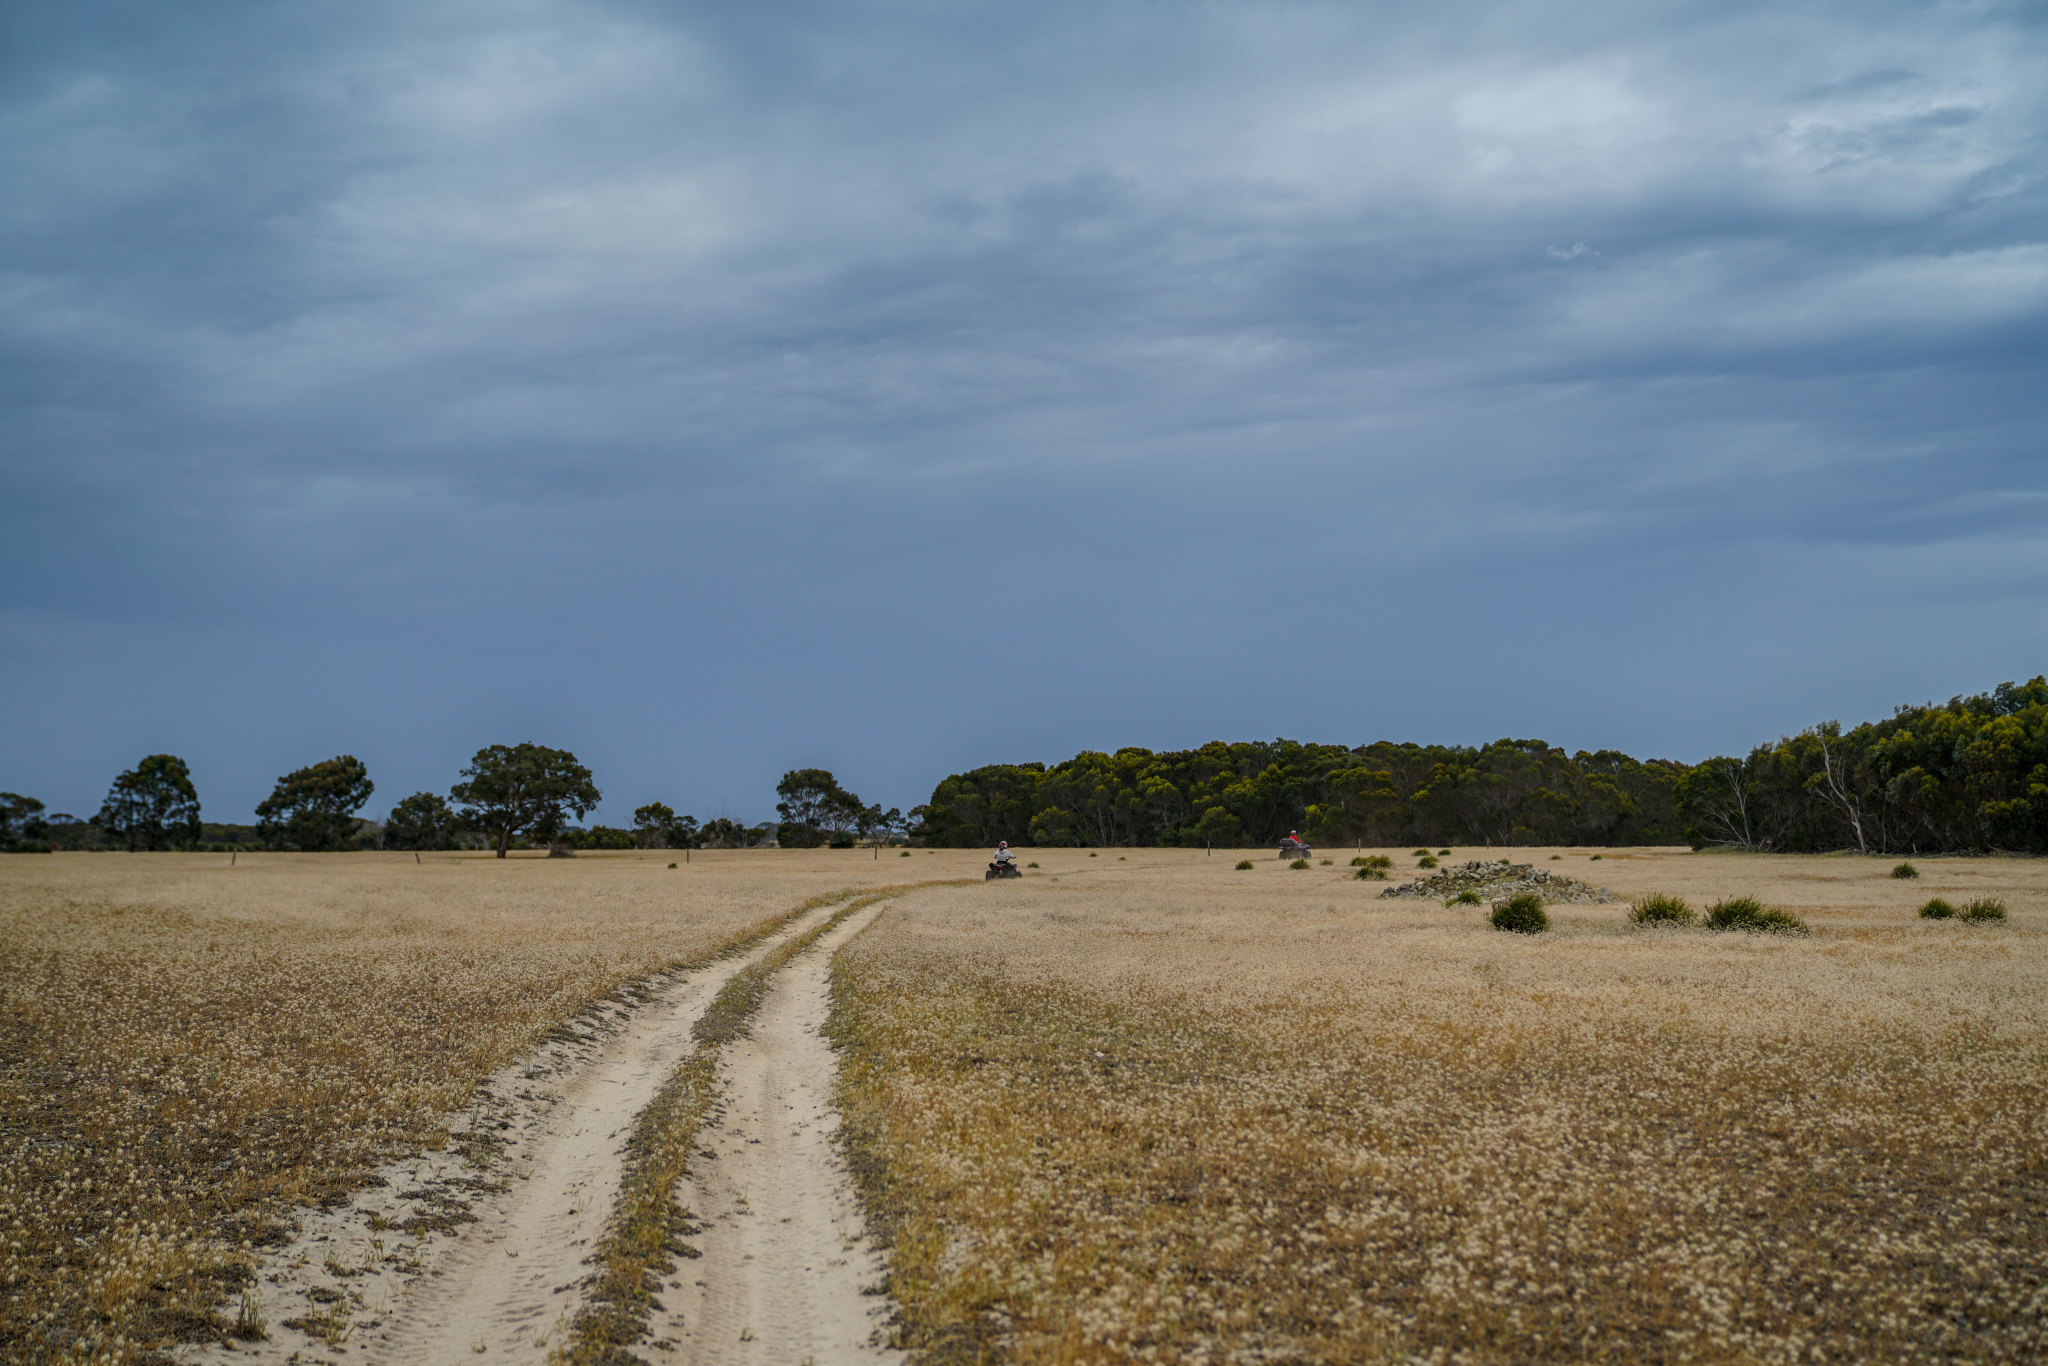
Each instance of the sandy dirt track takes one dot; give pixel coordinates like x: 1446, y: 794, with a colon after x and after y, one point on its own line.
x: 500, y: 1283
x: 786, y: 1261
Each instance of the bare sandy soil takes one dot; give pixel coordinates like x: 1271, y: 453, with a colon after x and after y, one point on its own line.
x: 788, y: 1273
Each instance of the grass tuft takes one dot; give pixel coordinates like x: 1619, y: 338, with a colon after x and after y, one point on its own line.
x: 1371, y: 874
x: 1937, y: 909
x: 1747, y: 914
x: 1468, y: 897
x: 1983, y: 908
x: 1659, y: 909
x: 1903, y: 869
x: 1244, y: 865
x: 1299, y: 863
x: 1521, y: 914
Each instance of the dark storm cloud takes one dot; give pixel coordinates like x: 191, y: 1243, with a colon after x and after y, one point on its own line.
x: 609, y: 370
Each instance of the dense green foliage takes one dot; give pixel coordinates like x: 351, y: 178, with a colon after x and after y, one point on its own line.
x: 152, y: 806
x: 1968, y: 775
x: 1522, y: 914
x: 1508, y: 792
x: 421, y: 821
x: 314, y: 808
x: 1971, y: 774
x: 21, y: 823
x: 510, y: 790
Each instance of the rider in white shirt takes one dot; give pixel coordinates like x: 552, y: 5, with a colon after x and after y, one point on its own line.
x: 1003, y: 854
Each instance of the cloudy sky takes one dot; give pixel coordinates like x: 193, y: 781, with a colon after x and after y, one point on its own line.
x: 713, y: 389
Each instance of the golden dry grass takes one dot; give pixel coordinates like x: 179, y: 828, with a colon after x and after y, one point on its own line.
x: 1162, y: 1110
x: 189, y: 1050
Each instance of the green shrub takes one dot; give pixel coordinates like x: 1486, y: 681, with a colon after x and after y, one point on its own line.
x: 904, y: 854
x: 1299, y: 863
x: 1380, y: 861
x: 1361, y: 862
x: 671, y: 865
x: 1324, y: 862
x: 1030, y: 865
x: 1244, y: 865
x: 1371, y: 874
x: 1659, y: 909
x: 1426, y: 861
x: 1751, y: 916
x: 1597, y: 857
x: 1521, y: 914
x: 1420, y: 852
x: 1557, y: 858
x: 1984, y: 908
x: 1443, y: 853
x: 1468, y: 897
x: 1905, y: 870
x: 1091, y: 853
x: 1937, y: 909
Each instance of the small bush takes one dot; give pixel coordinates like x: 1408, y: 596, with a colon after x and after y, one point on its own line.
x: 1521, y: 914
x: 1597, y: 857
x: 1361, y: 862
x: 1426, y: 861
x: 1557, y: 858
x: 1030, y: 865
x: 1420, y: 852
x: 1443, y: 853
x: 1937, y: 909
x: 1324, y: 862
x: 1379, y: 861
x: 1299, y: 863
x: 1904, y: 870
x: 1468, y: 897
x: 671, y: 865
x: 904, y: 854
x: 1659, y: 909
x: 1984, y: 908
x: 1091, y: 853
x: 1371, y: 874
x: 1244, y: 865
x: 1751, y: 916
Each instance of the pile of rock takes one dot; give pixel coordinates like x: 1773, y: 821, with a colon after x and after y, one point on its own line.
x: 1500, y: 880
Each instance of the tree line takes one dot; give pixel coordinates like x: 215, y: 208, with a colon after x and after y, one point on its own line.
x: 508, y: 795
x: 1968, y: 775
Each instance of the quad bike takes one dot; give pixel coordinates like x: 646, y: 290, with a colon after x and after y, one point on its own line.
x: 1294, y: 848
x: 999, y: 869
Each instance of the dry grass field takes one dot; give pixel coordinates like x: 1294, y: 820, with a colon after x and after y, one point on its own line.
x: 189, y: 1050
x: 1146, y: 1107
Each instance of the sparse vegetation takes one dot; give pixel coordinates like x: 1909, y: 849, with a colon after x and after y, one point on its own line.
x: 1983, y: 908
x: 1904, y: 869
x: 1299, y: 863
x: 1657, y: 908
x: 1388, y: 1138
x: 1937, y: 909
x: 1522, y: 914
x: 1361, y: 862
x: 1369, y: 873
x: 1751, y: 916
x: 1468, y: 897
x: 1426, y: 861
x: 1443, y: 853
x: 1244, y: 865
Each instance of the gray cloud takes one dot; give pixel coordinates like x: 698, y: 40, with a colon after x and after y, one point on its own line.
x: 716, y: 384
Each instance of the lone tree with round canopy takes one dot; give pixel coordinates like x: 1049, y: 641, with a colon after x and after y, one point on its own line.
x: 315, y: 808
x: 153, y: 805
x: 509, y: 790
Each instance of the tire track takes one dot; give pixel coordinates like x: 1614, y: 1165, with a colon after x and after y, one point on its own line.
x: 503, y: 1285
x: 786, y: 1266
